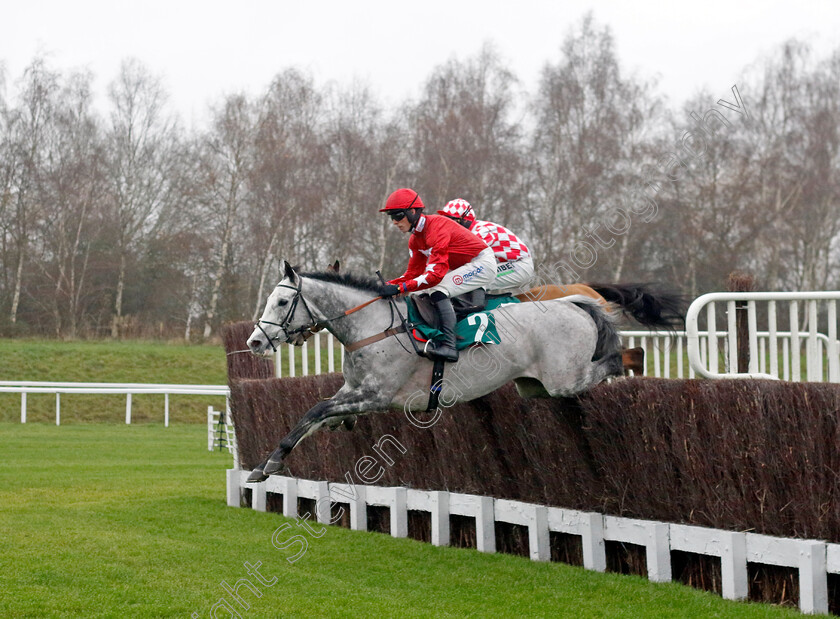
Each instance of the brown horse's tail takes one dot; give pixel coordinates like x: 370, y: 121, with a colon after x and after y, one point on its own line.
x: 649, y: 306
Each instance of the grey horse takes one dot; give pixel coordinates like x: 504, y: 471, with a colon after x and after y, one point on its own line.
x: 554, y: 348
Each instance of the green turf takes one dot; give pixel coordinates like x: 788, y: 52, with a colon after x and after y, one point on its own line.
x: 130, y: 521
x: 111, y: 361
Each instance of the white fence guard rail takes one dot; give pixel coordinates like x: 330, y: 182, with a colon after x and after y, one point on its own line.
x: 814, y: 559
x: 24, y: 387
x: 822, y: 362
x: 215, y: 438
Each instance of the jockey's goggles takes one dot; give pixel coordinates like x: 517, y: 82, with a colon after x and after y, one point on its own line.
x: 397, y: 215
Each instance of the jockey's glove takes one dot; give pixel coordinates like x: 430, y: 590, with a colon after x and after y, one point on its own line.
x: 389, y: 290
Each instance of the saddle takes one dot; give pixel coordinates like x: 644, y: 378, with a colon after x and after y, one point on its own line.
x: 425, y: 326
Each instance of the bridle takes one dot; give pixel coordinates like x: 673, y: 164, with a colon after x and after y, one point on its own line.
x: 306, y: 330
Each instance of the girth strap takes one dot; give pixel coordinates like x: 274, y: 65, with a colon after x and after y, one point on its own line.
x: 374, y: 338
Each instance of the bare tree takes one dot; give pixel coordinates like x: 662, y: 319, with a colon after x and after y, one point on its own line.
x: 25, y: 131
x: 140, y: 147
x: 226, y: 162
x: 589, y: 141
x: 465, y: 142
x: 72, y: 187
x: 287, y: 177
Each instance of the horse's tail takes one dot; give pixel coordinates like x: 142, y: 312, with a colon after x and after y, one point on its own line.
x: 648, y: 305
x: 609, y: 341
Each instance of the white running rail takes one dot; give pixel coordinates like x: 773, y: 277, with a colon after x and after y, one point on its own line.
x: 24, y: 387
x: 811, y: 321
x: 813, y: 559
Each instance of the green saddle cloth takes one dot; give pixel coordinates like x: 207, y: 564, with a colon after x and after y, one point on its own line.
x: 476, y: 328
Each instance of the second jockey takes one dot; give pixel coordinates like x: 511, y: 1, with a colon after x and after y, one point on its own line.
x: 515, y: 268
x: 444, y: 261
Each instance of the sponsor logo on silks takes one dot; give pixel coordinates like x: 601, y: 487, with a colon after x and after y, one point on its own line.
x: 505, y: 266
x: 473, y: 273
x: 457, y: 280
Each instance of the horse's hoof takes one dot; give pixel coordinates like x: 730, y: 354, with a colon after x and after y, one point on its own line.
x: 256, y: 476
x: 274, y: 468
x: 275, y: 463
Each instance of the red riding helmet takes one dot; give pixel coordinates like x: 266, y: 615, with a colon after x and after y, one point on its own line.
x: 458, y: 209
x: 401, y: 200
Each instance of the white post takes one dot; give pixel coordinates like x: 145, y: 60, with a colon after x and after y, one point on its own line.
x: 291, y: 361
x: 762, y: 355
x: 795, y: 371
x: 289, y: 497
x: 485, y: 525
x: 733, y: 566
x: 657, y: 370
x: 833, y: 361
x: 323, y: 505
x: 318, y: 352
x: 304, y: 358
x: 711, y: 321
x: 358, y: 510
x: 23, y: 407
x: 732, y: 336
x: 440, y: 518
x: 165, y: 410
x: 594, y: 549
x: 774, y: 343
x: 278, y: 363
x: 210, y: 428
x: 233, y: 480
x: 813, y: 581
x: 259, y: 497
x: 680, y: 357
x: 57, y: 408
x: 538, y: 537
x: 330, y: 353
x: 814, y: 368
x: 399, y: 512
x: 658, y: 552
x: 786, y: 358
x: 752, y: 326
x: 128, y: 408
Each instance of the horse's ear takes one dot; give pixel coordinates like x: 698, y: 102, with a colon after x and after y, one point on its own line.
x: 289, y: 272
x: 336, y: 266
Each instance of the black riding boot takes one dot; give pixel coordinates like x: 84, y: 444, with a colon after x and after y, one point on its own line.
x: 446, y: 349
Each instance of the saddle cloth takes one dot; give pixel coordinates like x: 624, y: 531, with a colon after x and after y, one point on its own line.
x: 476, y: 327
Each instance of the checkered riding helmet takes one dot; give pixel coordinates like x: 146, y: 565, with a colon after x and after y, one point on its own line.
x: 458, y: 209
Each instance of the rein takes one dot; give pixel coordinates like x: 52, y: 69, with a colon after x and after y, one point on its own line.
x: 308, y: 331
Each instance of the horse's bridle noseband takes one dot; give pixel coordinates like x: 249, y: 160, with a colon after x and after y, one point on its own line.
x: 307, y: 330
x: 284, y: 325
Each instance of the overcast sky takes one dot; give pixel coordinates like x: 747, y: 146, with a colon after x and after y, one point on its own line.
x: 204, y: 49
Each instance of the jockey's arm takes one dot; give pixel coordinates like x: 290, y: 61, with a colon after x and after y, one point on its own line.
x: 430, y: 271
x: 416, y: 266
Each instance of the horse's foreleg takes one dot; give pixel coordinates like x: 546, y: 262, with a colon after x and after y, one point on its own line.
x: 341, y: 405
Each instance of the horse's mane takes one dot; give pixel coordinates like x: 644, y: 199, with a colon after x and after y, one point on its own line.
x: 368, y: 284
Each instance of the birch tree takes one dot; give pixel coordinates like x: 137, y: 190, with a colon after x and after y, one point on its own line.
x: 141, y: 142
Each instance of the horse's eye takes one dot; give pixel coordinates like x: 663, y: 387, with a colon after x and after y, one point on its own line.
x: 282, y: 302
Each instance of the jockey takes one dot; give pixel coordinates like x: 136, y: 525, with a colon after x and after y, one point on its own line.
x: 515, y: 268
x: 444, y: 261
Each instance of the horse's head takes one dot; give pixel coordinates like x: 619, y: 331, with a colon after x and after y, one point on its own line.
x: 286, y: 317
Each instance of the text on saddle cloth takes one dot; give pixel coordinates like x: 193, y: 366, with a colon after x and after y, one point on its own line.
x: 476, y: 328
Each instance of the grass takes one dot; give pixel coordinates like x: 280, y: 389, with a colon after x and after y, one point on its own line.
x: 110, y: 361
x: 130, y: 521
